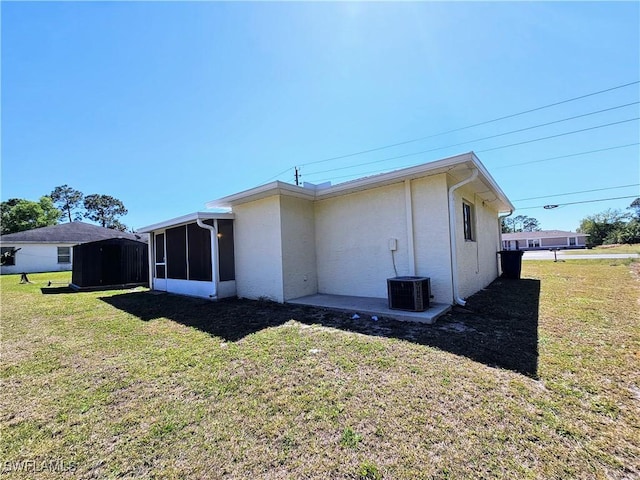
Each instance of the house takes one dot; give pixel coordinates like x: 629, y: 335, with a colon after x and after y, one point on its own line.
x: 49, y: 249
x: 543, y: 239
x: 114, y: 262
x: 281, y: 241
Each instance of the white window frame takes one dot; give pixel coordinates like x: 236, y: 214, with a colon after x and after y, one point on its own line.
x: 468, y: 221
x: 64, y: 255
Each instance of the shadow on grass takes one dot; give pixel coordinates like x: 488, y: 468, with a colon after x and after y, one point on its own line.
x: 56, y: 290
x: 498, y: 327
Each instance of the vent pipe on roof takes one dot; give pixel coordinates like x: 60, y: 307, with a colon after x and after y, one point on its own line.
x: 452, y: 237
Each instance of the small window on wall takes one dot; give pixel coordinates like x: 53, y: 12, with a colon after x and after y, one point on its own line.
x: 467, y: 216
x: 534, y: 243
x: 64, y: 254
x: 8, y: 256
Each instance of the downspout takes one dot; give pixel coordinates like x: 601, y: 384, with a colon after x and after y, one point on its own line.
x: 500, y: 218
x: 452, y: 237
x: 214, y: 254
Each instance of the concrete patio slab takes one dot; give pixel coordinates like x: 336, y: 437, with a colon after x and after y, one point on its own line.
x: 371, y: 306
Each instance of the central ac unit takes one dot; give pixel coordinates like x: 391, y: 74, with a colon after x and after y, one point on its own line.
x: 409, y: 293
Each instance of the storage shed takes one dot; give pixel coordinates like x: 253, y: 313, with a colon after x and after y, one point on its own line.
x: 110, y: 263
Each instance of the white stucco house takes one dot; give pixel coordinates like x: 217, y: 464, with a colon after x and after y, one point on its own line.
x: 50, y: 249
x: 543, y: 239
x: 280, y: 241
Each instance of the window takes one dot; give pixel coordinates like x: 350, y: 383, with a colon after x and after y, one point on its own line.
x: 8, y: 256
x: 534, y: 243
x: 572, y: 241
x: 64, y: 254
x: 467, y: 216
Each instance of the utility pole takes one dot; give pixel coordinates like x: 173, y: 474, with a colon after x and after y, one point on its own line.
x: 297, y: 176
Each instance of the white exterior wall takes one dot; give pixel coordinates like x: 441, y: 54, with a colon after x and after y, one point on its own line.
x: 193, y: 288
x: 37, y: 257
x: 431, y: 234
x: 477, y: 259
x: 352, y: 241
x: 258, y: 249
x: 299, y: 274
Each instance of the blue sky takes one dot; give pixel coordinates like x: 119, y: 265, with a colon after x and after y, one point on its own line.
x: 169, y: 105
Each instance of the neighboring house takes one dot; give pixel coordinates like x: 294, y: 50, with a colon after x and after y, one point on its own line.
x: 50, y: 249
x: 281, y: 241
x: 543, y: 239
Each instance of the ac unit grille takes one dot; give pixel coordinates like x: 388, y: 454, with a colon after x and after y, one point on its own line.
x: 409, y: 293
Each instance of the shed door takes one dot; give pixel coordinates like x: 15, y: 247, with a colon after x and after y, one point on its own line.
x: 111, y: 256
x: 160, y: 270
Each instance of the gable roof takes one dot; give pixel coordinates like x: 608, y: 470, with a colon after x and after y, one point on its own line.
x: 541, y: 234
x: 458, y: 167
x: 73, y: 232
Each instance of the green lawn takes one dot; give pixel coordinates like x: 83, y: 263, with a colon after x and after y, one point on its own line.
x: 634, y: 248
x: 535, y: 378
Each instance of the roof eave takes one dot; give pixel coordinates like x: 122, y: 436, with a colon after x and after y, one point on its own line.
x: 263, y: 191
x: 184, y: 219
x: 345, y: 188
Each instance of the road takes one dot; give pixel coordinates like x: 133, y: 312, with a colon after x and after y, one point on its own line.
x: 565, y: 255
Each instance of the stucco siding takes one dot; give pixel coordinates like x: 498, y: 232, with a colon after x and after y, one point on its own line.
x: 477, y: 259
x: 37, y: 258
x: 258, y: 249
x: 554, y: 242
x: 299, y: 272
x: 352, y: 241
x: 431, y: 234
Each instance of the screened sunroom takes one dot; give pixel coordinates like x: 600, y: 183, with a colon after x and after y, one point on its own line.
x: 193, y: 255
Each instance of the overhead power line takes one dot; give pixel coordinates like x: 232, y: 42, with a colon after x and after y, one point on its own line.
x: 575, y: 193
x: 576, y: 203
x: 486, y: 122
x: 372, y: 172
x: 559, y: 135
x: 566, y: 156
x: 397, y: 157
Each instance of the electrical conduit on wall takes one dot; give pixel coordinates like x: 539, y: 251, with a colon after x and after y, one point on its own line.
x: 409, y: 211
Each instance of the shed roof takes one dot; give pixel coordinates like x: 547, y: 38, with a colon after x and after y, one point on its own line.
x: 541, y: 234
x: 72, y: 232
x: 458, y: 167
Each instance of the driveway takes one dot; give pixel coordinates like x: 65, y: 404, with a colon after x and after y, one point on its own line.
x: 566, y: 255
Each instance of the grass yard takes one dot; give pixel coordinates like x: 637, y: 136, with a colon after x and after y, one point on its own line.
x: 633, y: 248
x: 535, y: 378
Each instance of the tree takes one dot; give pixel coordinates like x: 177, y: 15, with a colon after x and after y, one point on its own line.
x: 635, y: 208
x: 117, y: 225
x: 530, y: 225
x: 603, y: 227
x: 19, y: 214
x: 104, y: 209
x: 520, y: 223
x: 67, y: 199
